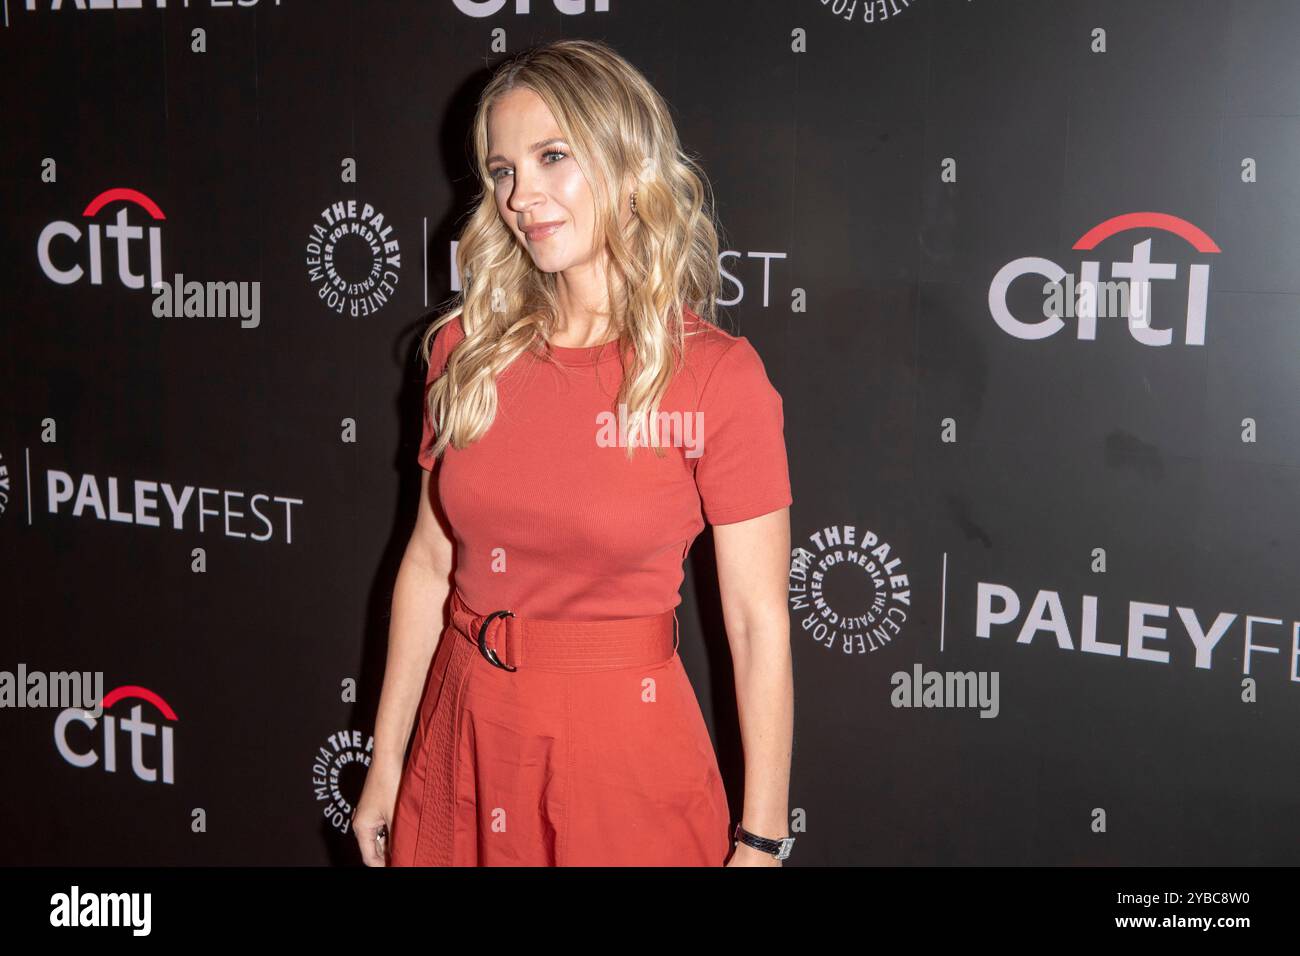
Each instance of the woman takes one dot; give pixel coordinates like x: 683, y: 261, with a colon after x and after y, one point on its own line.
x: 557, y: 725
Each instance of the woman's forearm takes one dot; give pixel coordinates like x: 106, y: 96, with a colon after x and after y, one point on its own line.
x: 415, y: 626
x: 765, y: 700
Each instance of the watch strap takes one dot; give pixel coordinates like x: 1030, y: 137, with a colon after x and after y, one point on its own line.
x: 778, y: 848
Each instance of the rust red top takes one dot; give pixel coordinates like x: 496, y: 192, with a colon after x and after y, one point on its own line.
x: 550, y: 518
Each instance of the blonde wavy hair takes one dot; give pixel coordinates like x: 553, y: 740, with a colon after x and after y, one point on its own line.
x: 621, y: 132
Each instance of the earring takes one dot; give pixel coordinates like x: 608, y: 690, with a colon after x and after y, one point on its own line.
x: 634, y: 200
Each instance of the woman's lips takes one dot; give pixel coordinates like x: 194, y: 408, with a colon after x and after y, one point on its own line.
x: 536, y: 235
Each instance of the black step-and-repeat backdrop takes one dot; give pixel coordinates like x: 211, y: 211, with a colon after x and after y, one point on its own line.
x: 1025, y: 273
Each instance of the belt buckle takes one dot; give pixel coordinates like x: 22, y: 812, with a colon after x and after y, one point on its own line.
x: 488, y: 652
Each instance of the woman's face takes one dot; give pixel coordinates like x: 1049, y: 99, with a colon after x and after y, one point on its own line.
x: 540, y: 192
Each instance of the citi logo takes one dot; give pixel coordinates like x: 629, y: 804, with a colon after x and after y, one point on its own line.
x: 83, y: 740
x: 1134, y: 275
x: 66, y: 253
x: 487, y: 8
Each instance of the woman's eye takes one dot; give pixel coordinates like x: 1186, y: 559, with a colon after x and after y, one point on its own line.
x: 504, y: 169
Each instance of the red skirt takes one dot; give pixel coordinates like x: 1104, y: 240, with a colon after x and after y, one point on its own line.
x: 591, y: 752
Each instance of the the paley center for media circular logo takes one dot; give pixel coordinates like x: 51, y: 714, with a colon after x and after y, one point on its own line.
x: 338, y: 774
x: 849, y: 590
x: 353, y: 258
x: 869, y: 12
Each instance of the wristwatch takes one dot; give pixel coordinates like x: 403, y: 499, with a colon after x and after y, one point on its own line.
x: 778, y: 848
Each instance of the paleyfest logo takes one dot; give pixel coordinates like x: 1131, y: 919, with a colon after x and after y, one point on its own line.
x: 99, y: 7
x: 866, y: 11
x: 849, y: 591
x: 353, y: 258
x: 1142, y: 630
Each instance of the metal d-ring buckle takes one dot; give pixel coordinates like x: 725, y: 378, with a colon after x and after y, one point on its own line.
x: 488, y: 652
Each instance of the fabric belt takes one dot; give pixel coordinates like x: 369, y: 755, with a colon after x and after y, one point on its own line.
x: 512, y: 643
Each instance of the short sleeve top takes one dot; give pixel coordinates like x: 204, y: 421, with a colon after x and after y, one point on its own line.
x: 551, y: 519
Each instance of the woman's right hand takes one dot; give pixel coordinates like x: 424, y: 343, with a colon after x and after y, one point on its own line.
x: 375, y: 810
